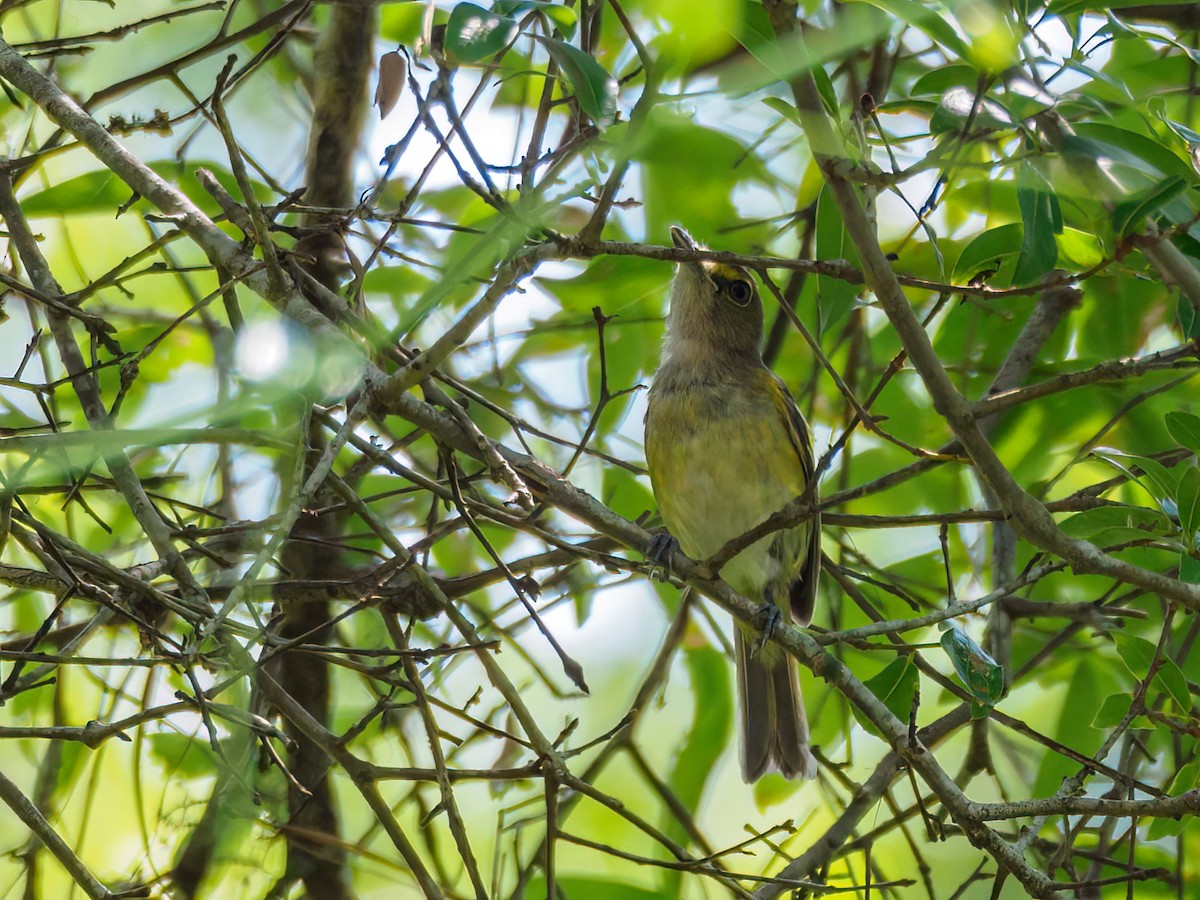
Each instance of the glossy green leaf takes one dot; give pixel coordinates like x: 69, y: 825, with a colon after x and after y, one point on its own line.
x: 981, y: 675
x: 595, y: 90
x: 1134, y: 151
x: 474, y: 34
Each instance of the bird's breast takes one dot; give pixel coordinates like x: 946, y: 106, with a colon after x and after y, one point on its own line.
x: 720, y: 463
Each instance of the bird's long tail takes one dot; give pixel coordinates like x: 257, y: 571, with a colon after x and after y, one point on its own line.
x: 774, y: 730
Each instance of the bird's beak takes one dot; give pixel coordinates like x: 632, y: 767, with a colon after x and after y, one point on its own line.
x: 684, y: 241
x: 681, y: 239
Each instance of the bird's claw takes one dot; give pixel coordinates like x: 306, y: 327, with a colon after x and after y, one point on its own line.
x: 659, y: 549
x: 771, y: 617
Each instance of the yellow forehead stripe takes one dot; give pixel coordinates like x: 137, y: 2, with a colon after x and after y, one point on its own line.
x: 721, y: 270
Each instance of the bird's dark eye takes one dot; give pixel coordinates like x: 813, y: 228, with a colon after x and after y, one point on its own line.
x: 740, y: 292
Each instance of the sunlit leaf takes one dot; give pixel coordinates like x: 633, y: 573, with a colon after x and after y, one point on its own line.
x: 595, y: 89
x: 1041, y: 219
x: 474, y: 34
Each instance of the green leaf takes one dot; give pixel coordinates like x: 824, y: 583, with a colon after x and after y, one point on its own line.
x: 1189, y: 568
x: 941, y: 79
x: 896, y: 687
x: 829, y: 95
x: 1113, y: 710
x: 988, y: 251
x: 1186, y: 779
x: 100, y: 191
x: 1079, y: 249
x: 835, y: 296
x: 1138, y: 654
x: 1172, y: 678
x: 1116, y: 524
x: 953, y: 113
x: 1073, y: 7
x: 694, y: 34
x: 563, y: 17
x: 784, y: 108
x: 1041, y: 219
x: 1189, y: 322
x: 400, y: 23
x: 591, y: 888
x: 925, y: 18
x: 1130, y: 214
x: 1133, y: 151
x: 712, y: 715
x: 1088, y: 685
x: 1167, y: 828
x: 1185, y: 428
x: 1156, y: 478
x: 981, y: 675
x: 181, y: 755
x: 595, y: 89
x: 474, y: 33
x: 1187, y: 500
x: 103, y: 192
x: 690, y: 175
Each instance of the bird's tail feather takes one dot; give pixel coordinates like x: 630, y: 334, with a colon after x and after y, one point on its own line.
x: 774, y: 730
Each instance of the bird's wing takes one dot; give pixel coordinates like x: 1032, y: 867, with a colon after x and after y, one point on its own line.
x: 802, y: 592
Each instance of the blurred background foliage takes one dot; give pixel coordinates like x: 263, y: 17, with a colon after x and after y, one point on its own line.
x: 1008, y: 152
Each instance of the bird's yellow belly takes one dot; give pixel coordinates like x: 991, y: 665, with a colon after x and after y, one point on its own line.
x: 715, y: 477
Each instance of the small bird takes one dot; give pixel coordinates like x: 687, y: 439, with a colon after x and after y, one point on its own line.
x: 727, y: 447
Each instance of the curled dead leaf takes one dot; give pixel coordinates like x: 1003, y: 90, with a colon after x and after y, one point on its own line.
x: 392, y: 70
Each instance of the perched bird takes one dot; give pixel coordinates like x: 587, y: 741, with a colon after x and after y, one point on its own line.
x: 727, y: 447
